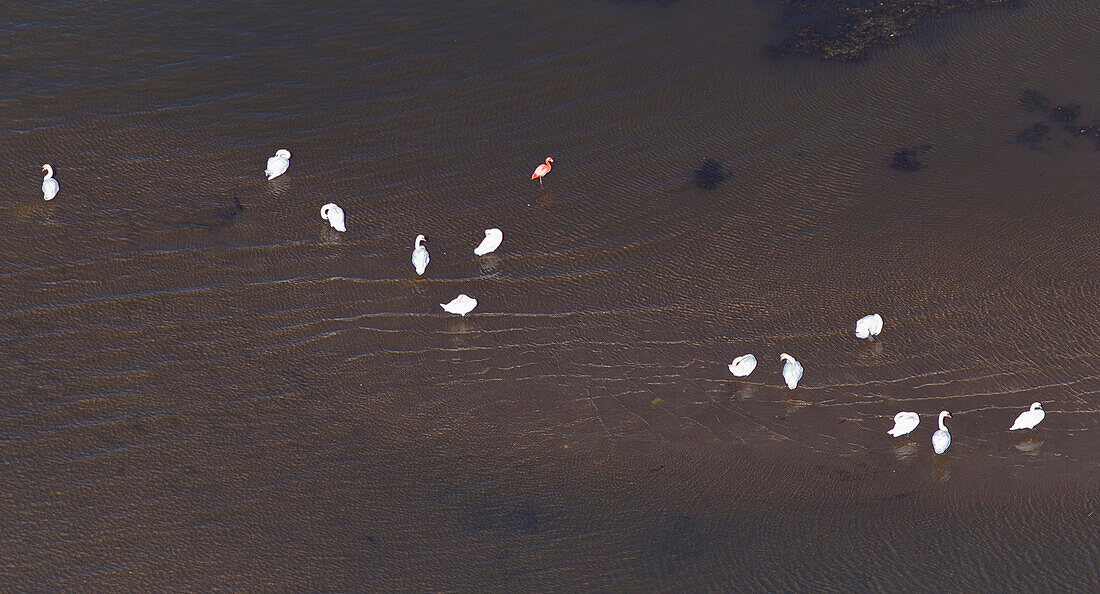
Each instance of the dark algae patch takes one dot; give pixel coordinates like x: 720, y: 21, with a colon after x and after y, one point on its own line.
x: 1033, y: 136
x: 905, y: 158
x: 709, y: 175
x: 847, y: 30
x: 1061, y: 118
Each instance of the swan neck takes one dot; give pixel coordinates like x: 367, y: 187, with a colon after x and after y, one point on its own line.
x: 942, y: 426
x: 49, y: 172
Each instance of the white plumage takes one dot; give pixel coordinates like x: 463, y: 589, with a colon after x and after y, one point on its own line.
x: 792, y: 370
x: 334, y: 215
x: 743, y: 365
x: 904, y: 423
x: 420, y: 254
x: 50, y: 187
x: 1029, y: 419
x: 941, y: 439
x: 460, y: 305
x: 492, y: 240
x: 869, y: 327
x: 278, y: 164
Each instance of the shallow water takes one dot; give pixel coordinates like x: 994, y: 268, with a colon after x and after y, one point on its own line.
x: 206, y: 386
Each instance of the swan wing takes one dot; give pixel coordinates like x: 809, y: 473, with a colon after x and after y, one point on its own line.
x: 492, y: 240
x: 50, y: 188
x: 336, y: 218
x: 276, y: 166
x: 420, y: 259
x: 461, y: 305
x: 904, y: 422
x: 941, y: 440
x: 1028, y: 420
x: 743, y: 365
x: 792, y: 372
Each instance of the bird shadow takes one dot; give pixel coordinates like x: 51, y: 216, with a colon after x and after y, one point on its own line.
x: 213, y: 219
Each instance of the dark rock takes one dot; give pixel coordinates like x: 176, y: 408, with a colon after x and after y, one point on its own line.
x: 847, y: 30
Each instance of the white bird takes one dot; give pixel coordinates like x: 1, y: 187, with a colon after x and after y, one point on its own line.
x: 334, y: 215
x: 50, y: 186
x: 492, y: 240
x: 420, y: 254
x: 941, y: 439
x: 1029, y: 419
x: 743, y: 365
x: 460, y: 305
x: 904, y: 423
x: 278, y: 164
x: 869, y: 326
x: 792, y: 370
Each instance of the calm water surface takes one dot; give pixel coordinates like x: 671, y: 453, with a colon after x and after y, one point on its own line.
x: 205, y: 387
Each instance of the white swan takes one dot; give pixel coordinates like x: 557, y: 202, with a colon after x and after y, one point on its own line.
x: 278, y: 164
x: 460, y: 305
x: 420, y: 254
x: 492, y: 240
x: 904, y: 423
x: 334, y: 215
x: 792, y: 370
x: 1029, y: 419
x: 743, y: 365
x: 869, y: 326
x: 941, y: 439
x: 50, y: 186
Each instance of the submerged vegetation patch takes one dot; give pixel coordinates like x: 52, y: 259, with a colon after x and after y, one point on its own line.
x: 847, y: 30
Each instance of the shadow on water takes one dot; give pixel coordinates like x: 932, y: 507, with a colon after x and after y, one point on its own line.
x: 213, y: 219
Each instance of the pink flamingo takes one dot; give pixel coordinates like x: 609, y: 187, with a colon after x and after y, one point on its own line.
x: 542, y: 170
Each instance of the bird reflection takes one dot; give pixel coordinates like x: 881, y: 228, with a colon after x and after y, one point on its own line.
x: 743, y: 391
x: 870, y: 350
x: 331, y: 236
x: 941, y: 468
x: 906, y: 452
x: 1029, y: 445
x: 489, y: 264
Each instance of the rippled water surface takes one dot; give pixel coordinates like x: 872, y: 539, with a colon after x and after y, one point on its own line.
x: 204, y: 386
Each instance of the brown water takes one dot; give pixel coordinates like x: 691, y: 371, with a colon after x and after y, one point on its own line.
x: 205, y: 387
